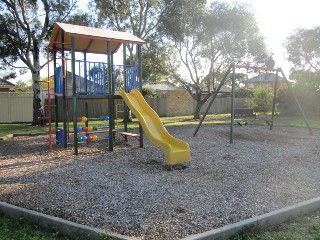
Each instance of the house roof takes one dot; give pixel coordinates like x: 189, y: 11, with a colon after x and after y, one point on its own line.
x: 263, y: 78
x: 91, y: 40
x: 160, y: 86
x: 5, y: 83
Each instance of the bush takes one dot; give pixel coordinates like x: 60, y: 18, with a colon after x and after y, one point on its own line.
x: 244, y: 93
x: 261, y: 100
x: 307, y: 96
x: 148, y: 92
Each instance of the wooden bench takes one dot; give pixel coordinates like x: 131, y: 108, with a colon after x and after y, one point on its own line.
x: 128, y: 134
x: 244, y: 113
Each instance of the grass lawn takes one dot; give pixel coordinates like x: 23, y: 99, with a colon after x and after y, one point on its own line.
x: 25, y: 229
x: 26, y: 128
x: 303, y: 228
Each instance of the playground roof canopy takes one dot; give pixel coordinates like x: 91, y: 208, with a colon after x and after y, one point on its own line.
x: 91, y: 40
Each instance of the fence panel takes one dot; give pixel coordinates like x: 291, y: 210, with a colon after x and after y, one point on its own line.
x: 222, y: 104
x: 16, y: 107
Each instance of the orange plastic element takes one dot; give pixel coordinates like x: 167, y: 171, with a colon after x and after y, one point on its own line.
x: 176, y: 151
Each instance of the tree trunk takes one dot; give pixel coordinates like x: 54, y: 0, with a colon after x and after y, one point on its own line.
x: 199, y: 103
x: 197, y: 109
x: 37, y: 106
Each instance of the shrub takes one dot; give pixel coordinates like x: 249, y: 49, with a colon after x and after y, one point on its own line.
x: 148, y: 92
x: 261, y: 100
x: 307, y: 96
x: 244, y: 93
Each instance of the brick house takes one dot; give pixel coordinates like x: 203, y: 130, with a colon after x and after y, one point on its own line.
x: 265, y: 80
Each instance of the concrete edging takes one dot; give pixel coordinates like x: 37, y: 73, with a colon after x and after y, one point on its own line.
x: 266, y: 220
x: 9, y: 136
x: 66, y: 228
x: 71, y: 229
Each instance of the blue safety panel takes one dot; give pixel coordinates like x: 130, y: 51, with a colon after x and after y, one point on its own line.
x: 58, y: 80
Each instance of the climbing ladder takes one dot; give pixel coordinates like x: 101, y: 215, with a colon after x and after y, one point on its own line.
x: 49, y: 106
x: 119, y: 110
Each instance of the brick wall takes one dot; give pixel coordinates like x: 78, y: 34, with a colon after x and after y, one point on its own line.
x: 179, y: 103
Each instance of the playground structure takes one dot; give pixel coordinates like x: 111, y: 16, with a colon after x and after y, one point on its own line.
x: 176, y: 151
x: 232, y: 70
x: 102, y: 80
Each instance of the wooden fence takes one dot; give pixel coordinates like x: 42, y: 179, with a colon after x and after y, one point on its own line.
x: 18, y: 107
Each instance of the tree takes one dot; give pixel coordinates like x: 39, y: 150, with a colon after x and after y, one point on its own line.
x: 303, y: 48
x: 25, y: 26
x: 309, y: 78
x: 22, y: 86
x: 140, y: 17
x: 261, y: 100
x: 206, y: 41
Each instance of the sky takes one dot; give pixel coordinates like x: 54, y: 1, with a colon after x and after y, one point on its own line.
x: 277, y: 19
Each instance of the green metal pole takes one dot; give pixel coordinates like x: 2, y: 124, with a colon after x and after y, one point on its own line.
x: 140, y: 87
x: 212, y: 100
x: 74, y: 97
x: 274, y: 99
x: 85, y: 72
x: 87, y: 116
x: 56, y: 121
x: 232, y: 103
x: 64, y: 101
x: 110, y: 93
x: 297, y: 102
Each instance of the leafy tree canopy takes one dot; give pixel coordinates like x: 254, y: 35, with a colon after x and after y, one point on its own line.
x: 140, y: 17
x: 25, y: 27
x: 303, y: 48
x: 306, y: 77
x: 206, y: 40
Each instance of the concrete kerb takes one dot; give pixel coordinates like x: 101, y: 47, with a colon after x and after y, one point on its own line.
x: 66, y: 228
x: 9, y: 136
x: 264, y: 221
x: 71, y: 229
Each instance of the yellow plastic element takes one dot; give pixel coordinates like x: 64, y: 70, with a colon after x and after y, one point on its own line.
x: 176, y: 151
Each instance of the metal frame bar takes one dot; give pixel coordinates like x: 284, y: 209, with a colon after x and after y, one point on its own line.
x: 212, y: 100
x: 110, y: 100
x: 297, y: 102
x: 74, y: 97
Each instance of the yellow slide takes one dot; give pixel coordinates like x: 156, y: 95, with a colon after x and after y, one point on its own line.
x: 176, y: 150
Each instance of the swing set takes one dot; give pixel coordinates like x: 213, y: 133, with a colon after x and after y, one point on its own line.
x: 232, y: 70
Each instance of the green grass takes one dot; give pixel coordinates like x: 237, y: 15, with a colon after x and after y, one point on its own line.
x: 303, y: 228
x: 21, y: 228
x: 20, y: 128
x: 24, y: 128
x: 24, y: 229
